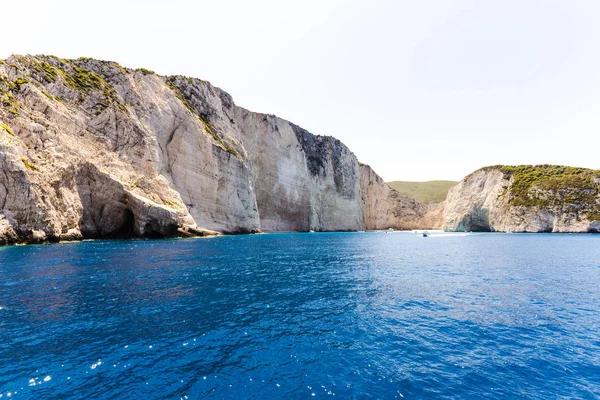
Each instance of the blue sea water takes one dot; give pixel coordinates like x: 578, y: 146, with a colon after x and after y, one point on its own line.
x: 346, y: 315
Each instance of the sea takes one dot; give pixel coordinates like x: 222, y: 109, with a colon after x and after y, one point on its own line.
x: 303, y: 315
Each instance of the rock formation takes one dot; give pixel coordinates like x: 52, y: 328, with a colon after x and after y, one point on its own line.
x: 526, y: 198
x: 89, y: 149
x: 386, y: 208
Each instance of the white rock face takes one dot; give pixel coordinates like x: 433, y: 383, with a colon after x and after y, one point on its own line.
x: 90, y: 149
x: 80, y: 162
x: 301, y: 181
x: 481, y: 202
x: 386, y: 208
x: 473, y: 202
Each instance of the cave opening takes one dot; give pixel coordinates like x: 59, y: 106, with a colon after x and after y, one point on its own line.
x: 150, y: 233
x: 126, y: 230
x: 480, y: 228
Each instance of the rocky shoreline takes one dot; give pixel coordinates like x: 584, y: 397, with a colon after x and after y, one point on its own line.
x: 526, y: 198
x: 90, y: 149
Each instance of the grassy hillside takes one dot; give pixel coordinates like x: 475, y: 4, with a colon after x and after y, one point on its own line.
x: 569, y: 189
x: 424, y: 192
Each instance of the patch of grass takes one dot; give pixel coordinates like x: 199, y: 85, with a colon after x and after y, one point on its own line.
x: 100, y: 107
x: 74, y: 74
x: 57, y: 60
x: 504, y: 192
x: 593, y: 216
x: 567, y: 184
x: 123, y: 108
x: 424, y: 192
x: 85, y: 81
x: 8, y: 100
x: 29, y: 165
x: 179, y: 94
x: 19, y: 82
x: 7, y: 129
x: 145, y: 71
x: 46, y: 94
x: 209, y: 127
x: 45, y: 71
x: 553, y: 187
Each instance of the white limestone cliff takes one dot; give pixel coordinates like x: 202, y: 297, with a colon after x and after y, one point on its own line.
x: 89, y: 149
x: 386, y: 208
x: 543, y: 199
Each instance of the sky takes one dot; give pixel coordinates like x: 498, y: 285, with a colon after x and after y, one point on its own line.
x: 419, y: 90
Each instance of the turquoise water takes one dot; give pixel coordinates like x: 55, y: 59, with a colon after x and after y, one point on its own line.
x: 350, y: 315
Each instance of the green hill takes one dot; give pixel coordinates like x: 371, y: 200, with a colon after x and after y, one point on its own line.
x: 424, y: 192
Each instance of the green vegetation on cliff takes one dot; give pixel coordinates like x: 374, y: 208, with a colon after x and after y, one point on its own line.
x: 74, y: 74
x: 145, y: 71
x: 424, y: 192
x: 7, y: 129
x: 29, y: 165
x: 569, y: 189
x: 172, y: 83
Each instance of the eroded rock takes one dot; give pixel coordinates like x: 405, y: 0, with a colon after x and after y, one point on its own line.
x: 90, y: 149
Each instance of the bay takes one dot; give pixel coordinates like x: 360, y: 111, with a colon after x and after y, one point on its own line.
x: 350, y: 315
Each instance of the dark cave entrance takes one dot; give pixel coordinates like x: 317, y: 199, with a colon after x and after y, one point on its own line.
x: 150, y: 233
x: 480, y: 228
x: 126, y: 230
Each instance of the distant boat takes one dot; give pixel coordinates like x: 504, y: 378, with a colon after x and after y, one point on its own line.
x: 425, y: 234
x: 390, y: 230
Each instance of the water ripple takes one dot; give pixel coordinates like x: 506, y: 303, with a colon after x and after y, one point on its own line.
x: 302, y: 316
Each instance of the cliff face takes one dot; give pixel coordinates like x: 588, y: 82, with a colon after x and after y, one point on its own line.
x: 386, y: 208
x: 91, y: 149
x: 525, y: 199
x: 301, y: 181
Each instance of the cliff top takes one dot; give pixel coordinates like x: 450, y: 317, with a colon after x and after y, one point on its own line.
x: 50, y: 66
x: 551, y: 186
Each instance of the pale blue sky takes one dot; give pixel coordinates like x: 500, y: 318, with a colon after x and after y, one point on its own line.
x: 417, y: 89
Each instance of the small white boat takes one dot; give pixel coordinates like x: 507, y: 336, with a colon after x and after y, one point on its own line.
x: 390, y: 230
